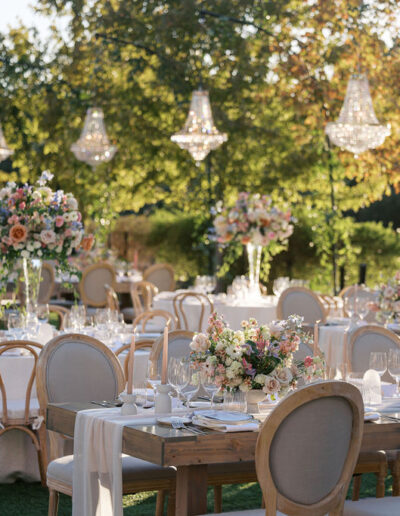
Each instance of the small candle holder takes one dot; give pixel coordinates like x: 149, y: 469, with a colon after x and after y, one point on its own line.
x: 129, y: 407
x: 162, y: 401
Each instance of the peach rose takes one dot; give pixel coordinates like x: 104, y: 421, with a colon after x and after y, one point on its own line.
x: 87, y: 242
x: 18, y: 233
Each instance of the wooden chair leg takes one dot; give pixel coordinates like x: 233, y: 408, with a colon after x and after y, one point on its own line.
x: 53, y: 502
x: 217, y: 499
x: 262, y: 502
x: 356, y: 487
x: 395, y: 470
x: 171, y: 502
x: 42, y: 454
x: 160, y: 502
x: 380, y: 484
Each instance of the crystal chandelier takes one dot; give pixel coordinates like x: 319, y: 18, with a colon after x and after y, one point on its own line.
x: 5, y: 151
x: 199, y: 135
x: 93, y: 146
x: 357, y: 128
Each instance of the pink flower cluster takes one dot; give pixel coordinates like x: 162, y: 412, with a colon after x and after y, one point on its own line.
x: 253, y: 219
x: 37, y: 222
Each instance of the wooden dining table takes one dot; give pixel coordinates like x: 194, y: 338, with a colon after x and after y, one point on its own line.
x: 192, y: 453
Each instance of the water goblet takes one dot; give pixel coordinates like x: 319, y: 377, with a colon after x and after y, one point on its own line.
x: 43, y: 313
x: 178, y: 374
x: 394, y: 367
x: 378, y: 362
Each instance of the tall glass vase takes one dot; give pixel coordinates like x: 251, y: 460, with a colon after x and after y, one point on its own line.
x: 254, y: 258
x: 32, y: 269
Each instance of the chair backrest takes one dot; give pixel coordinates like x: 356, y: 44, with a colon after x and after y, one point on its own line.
x: 47, y: 283
x: 178, y: 346
x: 77, y: 368
x: 301, y: 301
x: 319, y: 425
x: 151, y: 319
x: 111, y: 298
x: 139, y: 344
x: 355, y: 290
x: 92, y: 284
x: 61, y: 311
x: 204, y: 305
x: 365, y: 340
x: 28, y: 348
x: 161, y: 275
x: 142, y: 294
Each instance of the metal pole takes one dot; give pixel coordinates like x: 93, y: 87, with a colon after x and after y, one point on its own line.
x: 334, y: 209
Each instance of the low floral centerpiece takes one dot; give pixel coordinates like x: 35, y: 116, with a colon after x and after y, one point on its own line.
x: 387, y: 304
x: 256, y: 223
x: 36, y: 224
x: 256, y: 359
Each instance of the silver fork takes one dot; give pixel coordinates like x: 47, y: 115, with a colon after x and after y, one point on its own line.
x: 178, y: 424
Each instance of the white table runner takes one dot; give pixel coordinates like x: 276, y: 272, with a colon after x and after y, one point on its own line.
x: 97, y: 476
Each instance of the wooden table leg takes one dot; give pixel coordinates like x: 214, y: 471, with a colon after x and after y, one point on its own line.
x: 191, y: 490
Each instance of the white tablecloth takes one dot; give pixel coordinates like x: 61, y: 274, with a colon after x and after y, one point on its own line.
x: 234, y: 312
x: 18, y: 458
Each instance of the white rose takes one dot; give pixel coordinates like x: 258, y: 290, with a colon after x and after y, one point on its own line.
x: 47, y: 236
x: 72, y: 203
x: 244, y: 387
x: 200, y: 343
x: 284, y: 375
x: 39, y: 253
x: 25, y: 254
x: 272, y: 385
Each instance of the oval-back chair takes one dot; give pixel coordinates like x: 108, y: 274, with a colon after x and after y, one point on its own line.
x: 201, y: 303
x: 301, y: 301
x: 92, y: 285
x: 161, y: 275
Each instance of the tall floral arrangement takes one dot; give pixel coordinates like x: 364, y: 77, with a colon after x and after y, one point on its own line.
x: 253, y: 219
x: 37, y: 222
x: 387, y: 304
x: 255, y: 357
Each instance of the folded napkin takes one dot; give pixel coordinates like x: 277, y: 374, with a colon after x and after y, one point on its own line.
x: 221, y: 427
x: 371, y: 416
x: 388, y: 406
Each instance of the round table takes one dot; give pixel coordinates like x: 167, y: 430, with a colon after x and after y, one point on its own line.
x: 233, y: 311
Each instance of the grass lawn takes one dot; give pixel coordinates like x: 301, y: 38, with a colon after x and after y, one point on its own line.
x: 31, y: 499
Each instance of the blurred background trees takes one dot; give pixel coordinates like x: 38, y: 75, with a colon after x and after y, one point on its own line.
x: 272, y: 92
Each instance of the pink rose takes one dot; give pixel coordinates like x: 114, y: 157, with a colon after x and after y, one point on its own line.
x: 47, y: 236
x: 272, y: 385
x: 308, y: 362
x: 59, y: 221
x: 200, y: 343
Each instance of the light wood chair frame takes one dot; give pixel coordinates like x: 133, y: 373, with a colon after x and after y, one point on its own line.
x: 158, y: 266
x: 179, y: 310
x: 23, y: 424
x: 139, y: 344
x: 50, y: 293
x: 147, y: 291
x: 333, y: 502
x: 159, y: 484
x: 61, y: 311
x: 158, y: 343
x: 144, y: 317
x: 90, y: 268
x: 370, y: 328
x: 285, y: 293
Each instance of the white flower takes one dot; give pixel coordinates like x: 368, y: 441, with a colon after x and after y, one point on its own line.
x: 260, y: 378
x: 244, y: 387
x: 47, y: 236
x: 25, y: 254
x: 272, y: 385
x: 72, y: 203
x: 74, y: 278
x: 284, y: 375
x: 200, y: 343
x: 39, y: 253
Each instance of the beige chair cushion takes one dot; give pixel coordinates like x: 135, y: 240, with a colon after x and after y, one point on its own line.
x: 132, y: 469
x: 388, y: 506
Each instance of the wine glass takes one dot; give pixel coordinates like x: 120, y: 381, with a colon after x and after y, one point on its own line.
x: 153, y: 375
x: 16, y: 324
x: 394, y: 366
x: 178, y: 374
x: 362, y: 306
x: 210, y: 386
x: 378, y: 362
x: 43, y: 313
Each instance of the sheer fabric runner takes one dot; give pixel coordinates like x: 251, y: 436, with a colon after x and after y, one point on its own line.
x: 97, y: 473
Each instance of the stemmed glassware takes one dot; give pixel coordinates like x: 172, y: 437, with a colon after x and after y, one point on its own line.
x: 280, y: 284
x: 362, y: 306
x: 16, y: 324
x: 43, y: 313
x: 153, y: 375
x: 378, y: 362
x: 394, y: 367
x: 178, y: 374
x: 210, y: 386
